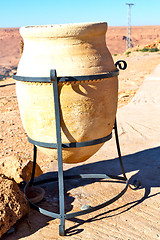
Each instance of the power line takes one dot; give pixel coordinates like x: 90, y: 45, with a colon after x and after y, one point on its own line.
x: 128, y: 38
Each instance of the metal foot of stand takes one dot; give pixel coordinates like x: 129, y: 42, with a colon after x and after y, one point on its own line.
x: 59, y: 145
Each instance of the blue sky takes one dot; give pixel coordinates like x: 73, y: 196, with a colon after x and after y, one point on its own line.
x: 17, y: 13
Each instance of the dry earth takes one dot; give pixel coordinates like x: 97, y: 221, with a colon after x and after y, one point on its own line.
x: 13, y: 139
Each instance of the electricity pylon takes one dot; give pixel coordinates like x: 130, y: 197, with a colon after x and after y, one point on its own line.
x: 128, y: 38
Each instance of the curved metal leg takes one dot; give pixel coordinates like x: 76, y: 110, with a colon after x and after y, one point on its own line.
x: 136, y: 183
x: 119, y: 150
x: 34, y: 165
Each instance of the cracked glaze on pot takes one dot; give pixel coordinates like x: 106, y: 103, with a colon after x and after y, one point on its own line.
x: 88, y: 109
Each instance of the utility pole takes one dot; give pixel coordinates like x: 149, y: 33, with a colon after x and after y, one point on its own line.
x: 128, y: 38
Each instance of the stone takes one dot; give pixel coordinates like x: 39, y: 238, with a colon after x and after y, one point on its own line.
x: 85, y: 207
x: 13, y: 204
x: 27, y: 171
x: 18, y: 169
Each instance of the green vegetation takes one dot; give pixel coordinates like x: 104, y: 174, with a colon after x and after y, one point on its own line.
x: 154, y: 49
x: 144, y: 49
x: 149, y: 49
x: 127, y: 53
x: 115, y: 54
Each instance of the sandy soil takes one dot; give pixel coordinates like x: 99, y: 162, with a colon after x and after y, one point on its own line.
x: 13, y: 139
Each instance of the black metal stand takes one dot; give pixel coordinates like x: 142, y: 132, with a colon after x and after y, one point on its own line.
x: 59, y: 145
x: 61, y: 177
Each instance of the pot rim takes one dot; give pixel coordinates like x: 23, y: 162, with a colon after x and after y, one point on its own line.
x: 65, y: 30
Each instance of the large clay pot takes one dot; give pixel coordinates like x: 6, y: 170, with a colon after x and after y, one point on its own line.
x: 88, y: 108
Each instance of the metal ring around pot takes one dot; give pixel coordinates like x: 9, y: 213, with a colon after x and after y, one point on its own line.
x: 72, y: 144
x: 68, y: 78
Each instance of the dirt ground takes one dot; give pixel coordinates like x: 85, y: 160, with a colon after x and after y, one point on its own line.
x: 13, y: 139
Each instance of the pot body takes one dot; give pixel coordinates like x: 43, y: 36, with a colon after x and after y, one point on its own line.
x: 87, y: 108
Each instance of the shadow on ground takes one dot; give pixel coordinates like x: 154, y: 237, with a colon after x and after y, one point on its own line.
x: 147, y: 166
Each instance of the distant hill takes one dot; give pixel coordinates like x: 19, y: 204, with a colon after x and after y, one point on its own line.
x: 140, y: 35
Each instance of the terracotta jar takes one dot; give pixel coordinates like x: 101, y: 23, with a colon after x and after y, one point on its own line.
x: 88, y: 108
